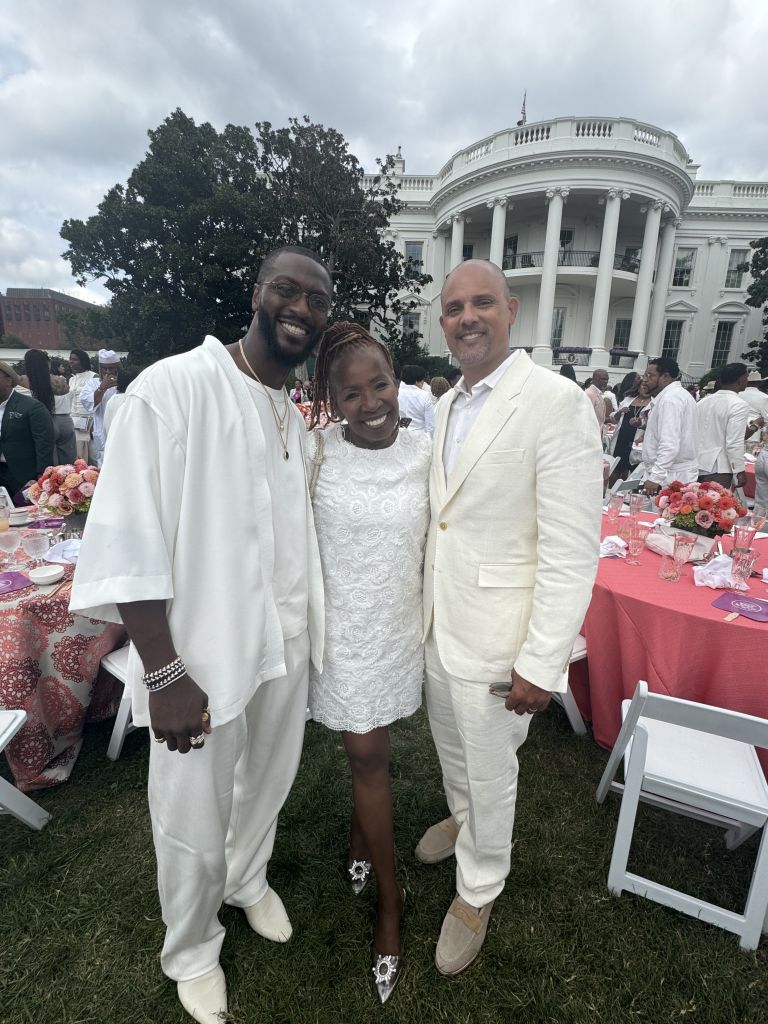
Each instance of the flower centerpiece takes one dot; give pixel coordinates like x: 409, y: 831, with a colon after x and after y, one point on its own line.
x: 707, y: 509
x: 63, y: 490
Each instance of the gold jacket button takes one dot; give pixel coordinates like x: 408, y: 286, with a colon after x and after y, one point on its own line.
x: 443, y: 525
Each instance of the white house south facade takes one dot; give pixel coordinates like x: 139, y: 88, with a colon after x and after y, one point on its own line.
x: 615, y: 249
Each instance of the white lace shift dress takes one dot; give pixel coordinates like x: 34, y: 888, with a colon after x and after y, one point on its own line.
x: 371, y: 514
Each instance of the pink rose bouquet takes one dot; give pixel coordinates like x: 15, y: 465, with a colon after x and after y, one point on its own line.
x: 708, y: 509
x: 66, y: 489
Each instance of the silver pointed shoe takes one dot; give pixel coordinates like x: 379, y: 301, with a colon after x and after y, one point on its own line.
x: 359, y: 872
x: 386, y: 974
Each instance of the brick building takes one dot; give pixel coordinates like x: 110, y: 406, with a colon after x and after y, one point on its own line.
x: 32, y: 314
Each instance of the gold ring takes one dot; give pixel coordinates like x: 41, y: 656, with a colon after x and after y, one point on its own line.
x: 159, y: 739
x: 206, y: 715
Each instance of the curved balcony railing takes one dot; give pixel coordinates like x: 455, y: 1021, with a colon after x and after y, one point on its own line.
x: 569, y: 258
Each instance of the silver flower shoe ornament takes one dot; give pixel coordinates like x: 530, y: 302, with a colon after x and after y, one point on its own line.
x: 386, y: 974
x: 359, y: 872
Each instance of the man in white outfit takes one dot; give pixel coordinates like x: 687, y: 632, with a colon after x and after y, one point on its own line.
x: 94, y: 398
x: 755, y: 397
x: 721, y: 421
x: 670, y: 440
x: 415, y: 403
x: 222, y: 615
x: 510, y: 561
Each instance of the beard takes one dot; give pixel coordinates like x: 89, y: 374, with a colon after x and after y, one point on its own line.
x: 268, y: 329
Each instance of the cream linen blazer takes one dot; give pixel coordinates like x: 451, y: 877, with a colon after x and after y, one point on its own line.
x: 514, y: 537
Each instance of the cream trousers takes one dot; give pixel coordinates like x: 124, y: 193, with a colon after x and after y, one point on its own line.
x: 214, y: 814
x: 477, y: 741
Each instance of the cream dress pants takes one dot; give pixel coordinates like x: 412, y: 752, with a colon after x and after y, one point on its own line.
x: 214, y: 814
x: 477, y: 741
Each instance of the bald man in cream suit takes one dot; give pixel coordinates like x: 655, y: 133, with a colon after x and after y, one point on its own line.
x: 510, y: 562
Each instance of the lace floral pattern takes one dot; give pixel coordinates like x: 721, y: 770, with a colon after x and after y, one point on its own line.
x: 371, y: 514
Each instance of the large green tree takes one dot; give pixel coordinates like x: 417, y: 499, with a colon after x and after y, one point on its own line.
x: 179, y: 245
x: 757, y: 296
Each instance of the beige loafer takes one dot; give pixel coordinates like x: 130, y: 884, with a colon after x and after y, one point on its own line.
x: 438, y: 842
x: 269, y: 919
x: 461, y: 937
x: 205, y: 998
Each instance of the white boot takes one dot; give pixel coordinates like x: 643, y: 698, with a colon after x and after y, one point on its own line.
x: 269, y: 919
x: 205, y: 998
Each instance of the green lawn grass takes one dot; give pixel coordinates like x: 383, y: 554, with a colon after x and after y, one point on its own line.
x: 80, y: 927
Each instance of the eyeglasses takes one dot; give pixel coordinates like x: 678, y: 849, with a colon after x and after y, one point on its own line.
x: 290, y: 291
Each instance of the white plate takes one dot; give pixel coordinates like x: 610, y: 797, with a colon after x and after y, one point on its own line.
x: 21, y: 522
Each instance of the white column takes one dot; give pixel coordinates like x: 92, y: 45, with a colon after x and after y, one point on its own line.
x: 457, y: 240
x: 661, y: 285
x: 542, y: 352
x: 602, y: 299
x: 437, y: 269
x: 499, y: 206
x: 642, y: 304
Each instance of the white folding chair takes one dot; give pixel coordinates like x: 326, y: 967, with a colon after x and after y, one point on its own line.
x: 622, y: 486
x: 566, y: 700
x: 116, y: 663
x: 698, y: 761
x: 13, y: 800
x: 612, y: 461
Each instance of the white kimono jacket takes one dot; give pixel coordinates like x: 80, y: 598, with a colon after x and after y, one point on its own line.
x: 182, y: 512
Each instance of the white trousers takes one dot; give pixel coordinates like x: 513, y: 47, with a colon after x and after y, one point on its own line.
x: 214, y: 814
x: 477, y: 741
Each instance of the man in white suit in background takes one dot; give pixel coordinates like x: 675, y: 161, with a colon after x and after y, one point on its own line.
x: 510, y: 562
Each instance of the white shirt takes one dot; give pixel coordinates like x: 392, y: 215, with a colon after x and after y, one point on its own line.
x: 670, y: 441
x: 289, y: 516
x: 416, y: 404
x: 97, y: 411
x: 466, y: 408
x: 758, y: 405
x: 2, y: 413
x: 722, y: 423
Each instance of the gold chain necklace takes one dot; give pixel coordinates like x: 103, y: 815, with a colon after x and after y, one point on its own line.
x: 280, y: 422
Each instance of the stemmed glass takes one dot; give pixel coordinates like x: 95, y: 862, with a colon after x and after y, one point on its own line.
x: 9, y: 542
x: 5, y: 512
x: 638, y: 535
x: 36, y: 544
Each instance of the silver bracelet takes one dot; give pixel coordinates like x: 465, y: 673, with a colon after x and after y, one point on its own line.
x: 164, y: 676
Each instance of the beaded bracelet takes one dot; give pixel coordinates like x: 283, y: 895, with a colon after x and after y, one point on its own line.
x: 162, y: 677
x: 162, y: 683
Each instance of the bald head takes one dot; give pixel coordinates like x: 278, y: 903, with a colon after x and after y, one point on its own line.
x: 490, y: 268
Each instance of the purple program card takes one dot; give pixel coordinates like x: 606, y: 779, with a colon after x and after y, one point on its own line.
x: 749, y: 607
x: 10, y: 581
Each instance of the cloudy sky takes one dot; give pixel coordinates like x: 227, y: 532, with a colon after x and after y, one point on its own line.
x: 81, y: 81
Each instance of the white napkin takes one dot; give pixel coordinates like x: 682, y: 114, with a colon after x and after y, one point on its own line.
x: 613, y: 547
x: 716, y: 575
x: 662, y: 541
x: 765, y: 575
x: 65, y: 552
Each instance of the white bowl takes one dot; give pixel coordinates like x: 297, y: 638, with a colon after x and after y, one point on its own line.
x: 46, y: 574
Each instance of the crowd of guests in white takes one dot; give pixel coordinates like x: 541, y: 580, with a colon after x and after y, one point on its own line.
x: 363, y: 562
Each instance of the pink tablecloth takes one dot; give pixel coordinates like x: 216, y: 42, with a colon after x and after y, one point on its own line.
x: 49, y: 664
x: 749, y: 486
x: 641, y: 627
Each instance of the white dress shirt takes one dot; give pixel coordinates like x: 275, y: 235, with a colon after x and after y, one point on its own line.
x: 466, y: 408
x: 722, y: 423
x: 670, y: 441
x: 417, y: 405
x: 757, y: 401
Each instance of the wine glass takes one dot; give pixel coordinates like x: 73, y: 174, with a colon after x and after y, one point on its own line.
x: 9, y: 542
x: 36, y: 544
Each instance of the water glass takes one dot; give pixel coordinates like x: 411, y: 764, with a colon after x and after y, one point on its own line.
x: 9, y: 542
x: 5, y: 513
x: 638, y: 535
x: 743, y: 533
x: 615, y: 505
x: 669, y: 569
x: 743, y: 562
x: 637, y: 503
x: 683, y: 549
x: 36, y: 544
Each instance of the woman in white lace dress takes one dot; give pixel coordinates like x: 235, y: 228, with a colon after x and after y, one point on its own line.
x: 371, y: 499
